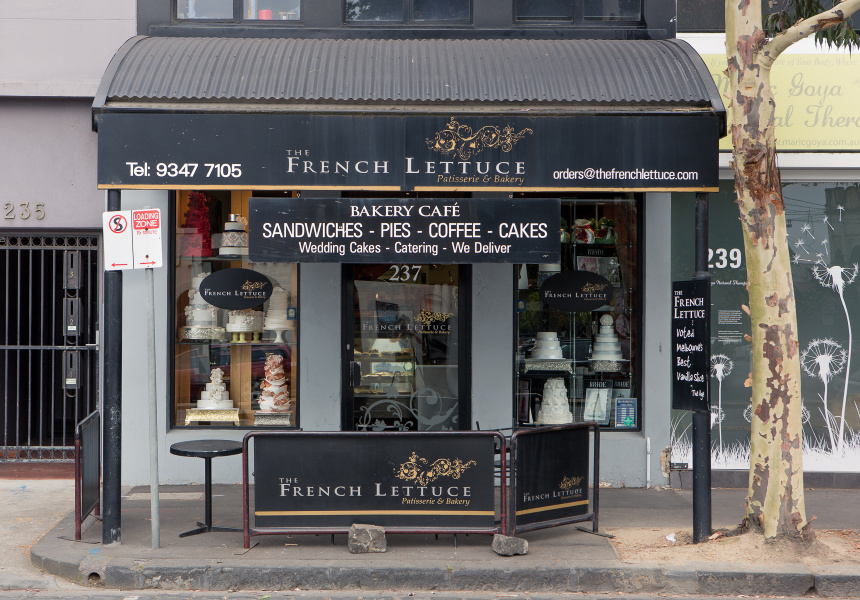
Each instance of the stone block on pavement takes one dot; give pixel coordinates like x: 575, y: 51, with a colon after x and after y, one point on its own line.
x: 509, y: 546
x: 367, y: 538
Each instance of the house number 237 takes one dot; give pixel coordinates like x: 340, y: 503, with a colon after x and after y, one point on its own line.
x: 23, y: 211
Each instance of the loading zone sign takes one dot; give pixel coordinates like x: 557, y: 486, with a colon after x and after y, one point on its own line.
x: 132, y: 239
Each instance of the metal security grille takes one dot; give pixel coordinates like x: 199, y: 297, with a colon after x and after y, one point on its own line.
x: 48, y: 343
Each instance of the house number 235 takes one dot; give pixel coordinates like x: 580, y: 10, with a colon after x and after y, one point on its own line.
x: 23, y: 211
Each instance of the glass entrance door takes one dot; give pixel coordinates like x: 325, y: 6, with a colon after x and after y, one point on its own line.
x: 404, y: 348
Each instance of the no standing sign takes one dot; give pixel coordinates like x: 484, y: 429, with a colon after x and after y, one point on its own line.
x: 132, y: 239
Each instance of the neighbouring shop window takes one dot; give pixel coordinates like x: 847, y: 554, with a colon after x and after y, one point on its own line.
x: 823, y: 221
x: 565, y: 10
x: 578, y: 362
x: 236, y: 322
x: 411, y: 11
x: 252, y: 10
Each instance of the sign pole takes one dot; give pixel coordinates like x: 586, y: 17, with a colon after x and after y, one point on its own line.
x: 702, y: 419
x: 153, y: 410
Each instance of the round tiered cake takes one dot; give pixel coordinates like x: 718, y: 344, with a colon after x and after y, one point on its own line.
x: 201, y: 318
x: 547, y: 346
x: 554, y: 408
x: 275, y: 394
x: 276, y: 315
x: 234, y: 240
x: 215, y: 396
x: 606, y: 344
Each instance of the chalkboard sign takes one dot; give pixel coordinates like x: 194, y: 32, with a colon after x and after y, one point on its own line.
x: 691, y: 345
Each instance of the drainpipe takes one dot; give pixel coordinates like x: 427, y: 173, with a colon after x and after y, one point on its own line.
x: 648, y: 463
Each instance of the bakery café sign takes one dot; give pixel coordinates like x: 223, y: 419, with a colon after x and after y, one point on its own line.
x: 390, y: 480
x: 576, y: 291
x: 236, y: 289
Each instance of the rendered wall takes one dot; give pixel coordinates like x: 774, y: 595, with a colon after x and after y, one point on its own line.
x: 58, y: 48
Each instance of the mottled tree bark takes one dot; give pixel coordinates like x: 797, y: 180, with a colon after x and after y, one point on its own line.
x: 775, y: 502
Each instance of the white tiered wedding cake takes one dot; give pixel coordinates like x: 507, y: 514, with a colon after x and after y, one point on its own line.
x: 606, y: 351
x: 276, y: 315
x: 554, y: 408
x: 215, y: 396
x: 201, y: 318
x: 546, y: 346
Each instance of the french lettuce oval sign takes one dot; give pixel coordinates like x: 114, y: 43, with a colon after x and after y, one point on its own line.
x: 576, y: 291
x: 236, y: 289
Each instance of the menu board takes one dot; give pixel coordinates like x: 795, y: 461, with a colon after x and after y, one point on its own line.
x: 691, y: 346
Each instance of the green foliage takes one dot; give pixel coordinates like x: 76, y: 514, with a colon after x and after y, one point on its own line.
x: 789, y: 12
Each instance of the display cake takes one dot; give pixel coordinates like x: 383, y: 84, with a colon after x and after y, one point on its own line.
x: 234, y: 240
x: 215, y: 396
x: 275, y: 393
x: 606, y: 351
x: 276, y: 315
x: 195, y: 235
x: 547, y: 346
x: 201, y: 318
x: 554, y: 408
x: 242, y: 322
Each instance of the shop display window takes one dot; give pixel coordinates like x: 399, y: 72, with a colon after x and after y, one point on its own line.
x: 578, y: 362
x: 412, y: 11
x: 252, y: 10
x: 236, y: 325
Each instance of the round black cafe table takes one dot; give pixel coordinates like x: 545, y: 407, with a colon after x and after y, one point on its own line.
x: 207, y: 450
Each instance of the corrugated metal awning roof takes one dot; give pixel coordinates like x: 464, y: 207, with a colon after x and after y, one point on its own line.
x: 549, y: 73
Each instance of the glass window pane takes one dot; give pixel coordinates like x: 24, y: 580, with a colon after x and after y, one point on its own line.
x: 441, y: 10
x: 374, y: 10
x: 204, y: 9
x: 232, y: 366
x: 545, y: 10
x: 272, y: 10
x: 581, y: 366
x: 406, y: 332
x: 613, y: 10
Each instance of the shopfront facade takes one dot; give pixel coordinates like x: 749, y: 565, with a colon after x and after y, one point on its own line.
x: 418, y: 233
x: 818, y: 158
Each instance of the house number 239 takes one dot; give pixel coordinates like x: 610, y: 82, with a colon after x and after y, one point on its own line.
x: 23, y: 211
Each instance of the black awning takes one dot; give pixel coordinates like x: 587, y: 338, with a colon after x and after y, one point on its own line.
x: 639, y: 106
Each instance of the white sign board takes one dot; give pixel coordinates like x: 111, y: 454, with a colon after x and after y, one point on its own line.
x: 146, y: 238
x: 132, y: 239
x: 117, y: 236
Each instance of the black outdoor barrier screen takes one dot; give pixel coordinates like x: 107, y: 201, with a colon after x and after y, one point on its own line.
x: 415, y: 482
x: 87, y: 468
x: 549, y: 477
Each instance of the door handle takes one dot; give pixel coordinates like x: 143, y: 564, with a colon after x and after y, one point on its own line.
x: 354, y: 373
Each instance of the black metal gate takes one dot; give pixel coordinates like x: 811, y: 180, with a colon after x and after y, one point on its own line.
x: 49, y: 309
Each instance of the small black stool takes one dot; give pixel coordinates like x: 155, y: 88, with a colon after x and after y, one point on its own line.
x: 207, y: 450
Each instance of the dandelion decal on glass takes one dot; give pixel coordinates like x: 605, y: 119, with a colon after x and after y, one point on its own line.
x: 824, y: 243
x: 721, y: 366
x: 827, y: 222
x: 807, y: 228
x: 824, y: 359
x: 840, y: 208
x: 836, y: 278
x: 799, y: 244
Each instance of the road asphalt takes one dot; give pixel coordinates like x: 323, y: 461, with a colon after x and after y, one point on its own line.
x: 38, y: 524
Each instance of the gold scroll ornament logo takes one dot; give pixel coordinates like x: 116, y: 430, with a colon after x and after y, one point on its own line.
x: 593, y: 287
x: 461, y: 140
x: 428, y: 318
x: 417, y: 469
x: 568, y: 483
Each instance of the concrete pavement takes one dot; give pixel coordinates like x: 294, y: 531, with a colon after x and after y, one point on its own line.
x: 560, y: 560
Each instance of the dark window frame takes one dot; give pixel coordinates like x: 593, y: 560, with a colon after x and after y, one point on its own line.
x: 578, y: 19
x: 408, y: 19
x: 238, y: 17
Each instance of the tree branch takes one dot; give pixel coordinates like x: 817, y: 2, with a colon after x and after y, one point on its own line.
x: 803, y: 29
